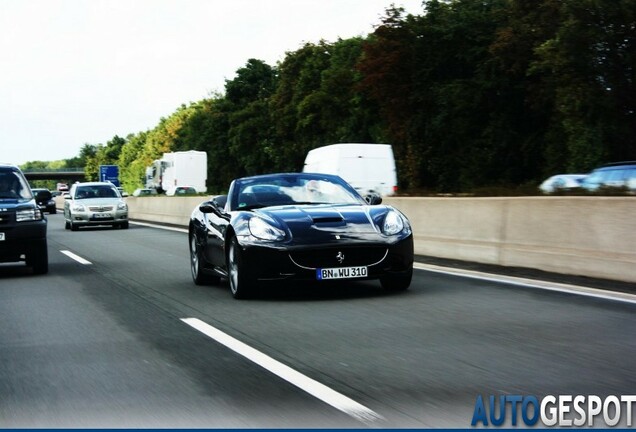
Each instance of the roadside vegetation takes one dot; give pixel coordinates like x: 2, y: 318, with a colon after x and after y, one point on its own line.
x: 487, y: 96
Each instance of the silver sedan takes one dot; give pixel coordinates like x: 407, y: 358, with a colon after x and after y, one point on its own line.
x: 95, y: 203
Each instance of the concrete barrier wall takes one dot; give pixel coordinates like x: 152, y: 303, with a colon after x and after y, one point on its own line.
x: 162, y: 209
x: 586, y: 236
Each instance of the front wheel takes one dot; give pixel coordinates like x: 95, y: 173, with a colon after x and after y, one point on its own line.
x: 196, y: 265
x: 240, y: 283
x: 397, y: 282
x: 38, y: 259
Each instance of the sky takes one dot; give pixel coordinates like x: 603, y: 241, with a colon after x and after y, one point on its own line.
x: 82, y: 71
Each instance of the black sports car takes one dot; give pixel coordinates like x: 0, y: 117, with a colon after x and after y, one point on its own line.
x: 298, y: 226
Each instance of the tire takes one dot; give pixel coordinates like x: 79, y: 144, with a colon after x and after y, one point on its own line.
x: 196, y: 265
x: 73, y: 226
x: 38, y: 259
x: 241, y: 284
x: 53, y: 211
x: 123, y: 225
x: 397, y: 282
x: 67, y: 225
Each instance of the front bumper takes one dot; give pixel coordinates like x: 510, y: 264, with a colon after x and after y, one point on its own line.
x: 265, y: 263
x: 22, y: 239
x: 98, y: 218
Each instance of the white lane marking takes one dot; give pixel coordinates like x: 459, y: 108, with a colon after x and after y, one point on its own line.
x: 532, y: 283
x: 77, y: 258
x: 314, y: 388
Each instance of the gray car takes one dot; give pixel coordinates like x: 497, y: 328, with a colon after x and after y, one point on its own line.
x: 615, y: 175
x: 95, y: 203
x: 562, y: 183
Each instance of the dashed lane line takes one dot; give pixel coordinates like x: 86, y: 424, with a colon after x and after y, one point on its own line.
x: 77, y: 258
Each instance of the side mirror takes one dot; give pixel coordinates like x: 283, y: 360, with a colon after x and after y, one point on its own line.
x: 373, y: 199
x: 207, y: 207
x: 215, y: 205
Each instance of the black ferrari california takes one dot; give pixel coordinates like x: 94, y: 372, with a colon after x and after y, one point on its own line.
x: 299, y: 227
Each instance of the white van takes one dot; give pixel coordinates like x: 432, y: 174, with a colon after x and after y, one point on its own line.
x: 366, y: 167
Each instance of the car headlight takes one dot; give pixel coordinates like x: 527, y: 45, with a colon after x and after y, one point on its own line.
x: 122, y: 206
x: 78, y: 208
x: 28, y: 215
x: 264, y: 231
x: 393, y: 223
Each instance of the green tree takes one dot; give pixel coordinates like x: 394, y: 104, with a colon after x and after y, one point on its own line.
x: 540, y: 137
x: 296, y: 127
x: 470, y: 94
x: 590, y: 62
x: 387, y: 68
x: 250, y: 133
x: 132, y: 162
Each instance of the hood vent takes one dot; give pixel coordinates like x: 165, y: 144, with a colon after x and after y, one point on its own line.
x: 327, y: 219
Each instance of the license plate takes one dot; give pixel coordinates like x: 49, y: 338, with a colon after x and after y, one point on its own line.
x: 101, y: 215
x: 1, y: 236
x: 341, y: 273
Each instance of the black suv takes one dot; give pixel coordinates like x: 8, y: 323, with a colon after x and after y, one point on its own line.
x: 22, y: 225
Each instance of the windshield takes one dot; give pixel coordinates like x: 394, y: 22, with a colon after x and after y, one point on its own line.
x: 13, y: 186
x: 292, y: 189
x: 95, y: 191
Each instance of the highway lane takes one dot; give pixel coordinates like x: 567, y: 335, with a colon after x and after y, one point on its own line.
x: 103, y: 345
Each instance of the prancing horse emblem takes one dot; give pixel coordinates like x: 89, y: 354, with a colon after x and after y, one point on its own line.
x: 340, y: 257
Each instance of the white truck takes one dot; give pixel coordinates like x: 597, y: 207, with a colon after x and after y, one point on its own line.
x: 182, y: 168
x: 367, y: 167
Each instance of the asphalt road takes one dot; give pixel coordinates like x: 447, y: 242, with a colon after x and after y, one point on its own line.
x: 113, y: 343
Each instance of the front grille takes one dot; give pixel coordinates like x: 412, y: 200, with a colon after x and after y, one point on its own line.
x: 351, y: 256
x: 101, y: 208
